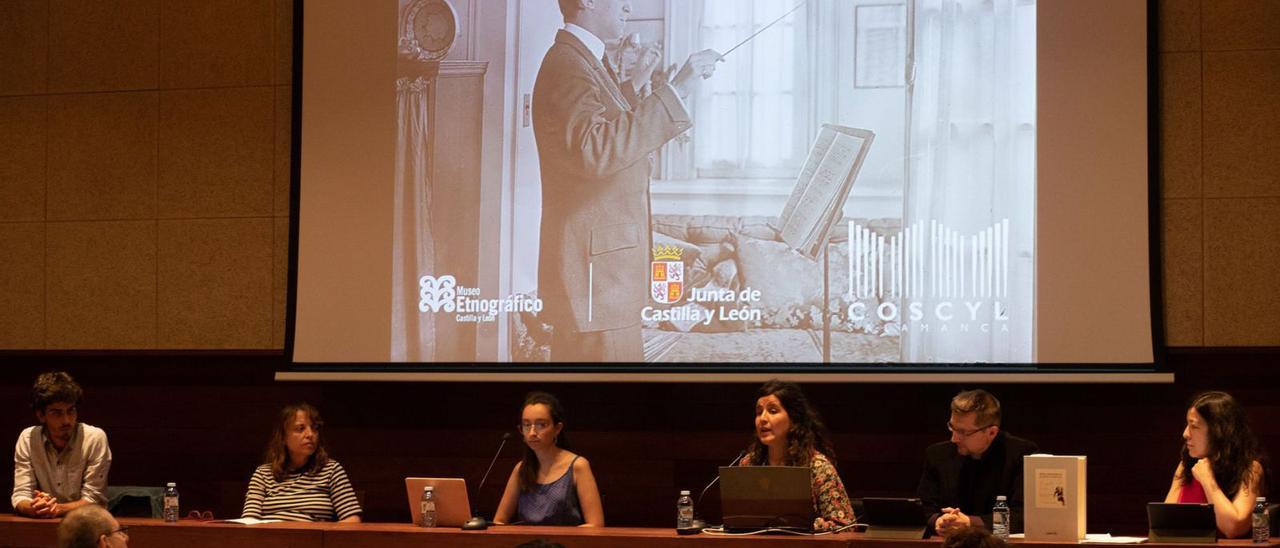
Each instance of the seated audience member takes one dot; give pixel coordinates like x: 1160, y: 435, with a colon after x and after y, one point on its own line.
x: 789, y: 432
x: 61, y: 464
x: 298, y: 481
x: 1220, y: 463
x: 91, y: 526
x: 972, y: 537
x: 963, y: 477
x: 550, y: 485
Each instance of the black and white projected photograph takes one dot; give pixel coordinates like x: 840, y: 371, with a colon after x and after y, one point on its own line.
x: 715, y: 181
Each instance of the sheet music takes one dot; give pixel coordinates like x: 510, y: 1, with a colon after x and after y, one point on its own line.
x: 822, y: 187
x: 817, y: 201
x: 825, y: 137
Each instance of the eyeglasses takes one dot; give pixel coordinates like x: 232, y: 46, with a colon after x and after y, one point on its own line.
x: 538, y: 427
x: 201, y: 516
x: 966, y: 433
x: 124, y: 530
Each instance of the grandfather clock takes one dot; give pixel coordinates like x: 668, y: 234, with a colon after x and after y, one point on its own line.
x: 427, y: 31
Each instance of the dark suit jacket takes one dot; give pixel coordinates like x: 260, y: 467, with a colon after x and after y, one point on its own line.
x: 998, y: 472
x: 594, y: 146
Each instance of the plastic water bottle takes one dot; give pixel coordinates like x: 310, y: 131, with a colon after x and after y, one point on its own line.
x: 684, y: 511
x: 1261, y: 521
x: 428, y: 506
x: 1000, y: 518
x: 171, y: 502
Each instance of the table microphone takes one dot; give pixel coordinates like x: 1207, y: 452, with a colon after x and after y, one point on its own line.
x: 478, y: 523
x: 698, y: 525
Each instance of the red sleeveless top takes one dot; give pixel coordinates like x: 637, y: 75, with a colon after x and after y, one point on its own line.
x: 1192, y: 492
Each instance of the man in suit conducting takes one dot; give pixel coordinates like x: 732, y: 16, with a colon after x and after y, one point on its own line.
x: 594, y: 140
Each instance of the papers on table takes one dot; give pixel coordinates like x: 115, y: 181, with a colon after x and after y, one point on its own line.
x: 1106, y: 538
x: 249, y: 521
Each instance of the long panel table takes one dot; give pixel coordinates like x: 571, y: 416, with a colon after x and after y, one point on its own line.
x: 19, y: 532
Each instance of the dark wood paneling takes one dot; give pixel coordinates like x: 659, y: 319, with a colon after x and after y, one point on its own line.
x: 202, y: 421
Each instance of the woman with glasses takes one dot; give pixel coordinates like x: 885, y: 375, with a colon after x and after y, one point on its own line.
x: 1220, y: 463
x: 298, y: 481
x: 550, y: 485
x: 789, y: 432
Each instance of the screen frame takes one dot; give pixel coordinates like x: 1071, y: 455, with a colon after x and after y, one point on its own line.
x: 1158, y: 371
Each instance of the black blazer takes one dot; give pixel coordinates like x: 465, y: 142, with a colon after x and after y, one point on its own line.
x: 998, y: 472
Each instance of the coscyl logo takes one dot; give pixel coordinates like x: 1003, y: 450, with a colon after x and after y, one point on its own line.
x: 436, y: 294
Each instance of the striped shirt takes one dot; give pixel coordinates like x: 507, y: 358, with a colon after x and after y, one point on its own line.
x: 323, y: 496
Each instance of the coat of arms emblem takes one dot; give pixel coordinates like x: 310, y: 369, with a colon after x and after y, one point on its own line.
x: 666, y: 274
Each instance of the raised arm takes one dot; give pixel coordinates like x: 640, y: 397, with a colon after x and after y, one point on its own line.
x: 1175, y: 487
x: 1233, y: 515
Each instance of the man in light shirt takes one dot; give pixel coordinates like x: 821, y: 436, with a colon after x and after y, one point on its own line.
x: 61, y: 464
x: 595, y: 136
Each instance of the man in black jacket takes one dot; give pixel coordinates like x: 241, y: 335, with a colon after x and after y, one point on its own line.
x: 962, y: 477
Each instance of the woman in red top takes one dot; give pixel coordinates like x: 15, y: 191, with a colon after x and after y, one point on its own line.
x: 1221, y: 455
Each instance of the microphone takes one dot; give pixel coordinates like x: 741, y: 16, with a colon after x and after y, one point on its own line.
x: 478, y: 523
x: 698, y: 524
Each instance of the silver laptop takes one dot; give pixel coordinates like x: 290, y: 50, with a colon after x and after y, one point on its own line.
x: 452, y: 507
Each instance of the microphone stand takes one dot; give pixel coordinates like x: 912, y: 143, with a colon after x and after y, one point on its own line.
x: 478, y: 523
x: 698, y: 525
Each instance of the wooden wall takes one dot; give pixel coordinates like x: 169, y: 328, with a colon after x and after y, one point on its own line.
x: 202, y: 421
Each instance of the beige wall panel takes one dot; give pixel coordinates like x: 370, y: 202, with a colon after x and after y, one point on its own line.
x: 282, y: 31
x: 1241, y: 24
x: 283, y: 146
x: 1181, y: 135
x: 1242, y: 123
x: 102, y: 156
x: 1183, y: 272
x: 24, y: 47
x: 1179, y: 25
x: 1242, y: 256
x: 101, y: 285
x: 22, y: 286
x: 215, y: 283
x: 216, y: 150
x: 103, y: 46
x: 215, y: 44
x: 280, y: 283
x: 23, y: 138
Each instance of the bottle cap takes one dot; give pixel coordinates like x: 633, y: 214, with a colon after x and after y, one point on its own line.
x: 684, y: 492
x: 171, y: 484
x: 428, y: 488
x: 1262, y: 499
x: 1001, y: 497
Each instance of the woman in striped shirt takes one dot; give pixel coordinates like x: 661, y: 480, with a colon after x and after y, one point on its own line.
x: 298, y: 481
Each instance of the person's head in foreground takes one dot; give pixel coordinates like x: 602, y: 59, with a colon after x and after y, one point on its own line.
x: 971, y: 537
x: 91, y: 526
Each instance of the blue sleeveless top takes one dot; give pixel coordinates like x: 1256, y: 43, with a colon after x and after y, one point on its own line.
x: 554, y: 503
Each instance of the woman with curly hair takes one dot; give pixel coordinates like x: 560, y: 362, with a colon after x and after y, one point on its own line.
x: 1221, y: 463
x: 789, y: 432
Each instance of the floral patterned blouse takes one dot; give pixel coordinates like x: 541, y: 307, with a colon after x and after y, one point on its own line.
x: 830, y: 501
